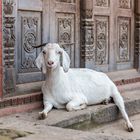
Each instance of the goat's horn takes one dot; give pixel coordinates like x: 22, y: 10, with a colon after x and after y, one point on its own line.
x: 44, y: 44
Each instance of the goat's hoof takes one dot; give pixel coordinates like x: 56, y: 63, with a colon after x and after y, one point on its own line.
x: 42, y: 115
x: 130, y: 128
x: 105, y: 102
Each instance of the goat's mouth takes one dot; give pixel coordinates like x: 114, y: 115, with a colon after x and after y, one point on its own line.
x: 51, y: 66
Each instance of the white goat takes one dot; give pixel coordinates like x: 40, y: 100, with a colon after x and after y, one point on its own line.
x: 74, y: 89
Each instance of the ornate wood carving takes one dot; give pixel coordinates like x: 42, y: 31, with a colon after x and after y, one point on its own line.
x: 102, y: 38
x: 87, y: 34
x: 124, y: 39
x: 8, y: 7
x: 30, y: 36
x: 87, y: 41
x: 66, y: 32
x: 102, y: 3
x: 9, y: 45
x: 87, y: 13
x: 125, y: 4
x: 9, y: 40
x: 8, y: 32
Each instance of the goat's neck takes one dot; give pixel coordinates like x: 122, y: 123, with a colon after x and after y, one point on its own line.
x: 53, y: 76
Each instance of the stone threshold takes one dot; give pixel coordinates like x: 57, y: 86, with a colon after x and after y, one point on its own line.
x: 101, y: 115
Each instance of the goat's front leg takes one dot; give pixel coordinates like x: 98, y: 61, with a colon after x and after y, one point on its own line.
x: 47, y: 107
x: 75, y: 104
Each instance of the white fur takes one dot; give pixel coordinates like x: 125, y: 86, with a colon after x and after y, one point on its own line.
x: 76, y: 88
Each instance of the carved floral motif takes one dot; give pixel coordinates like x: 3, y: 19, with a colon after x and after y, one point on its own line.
x: 125, y: 4
x: 29, y: 35
x: 124, y: 39
x: 8, y: 32
x: 8, y: 7
x: 87, y: 41
x: 29, y: 62
x: 65, y: 27
x: 101, y: 40
x: 87, y: 13
x: 102, y: 3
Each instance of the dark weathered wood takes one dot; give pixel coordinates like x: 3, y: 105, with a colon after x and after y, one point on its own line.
x: 137, y: 35
x: 9, y: 41
x: 28, y: 35
x: 108, y: 44
x: 45, y: 21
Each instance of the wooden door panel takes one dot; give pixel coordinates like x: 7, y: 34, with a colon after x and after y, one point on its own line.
x: 114, y: 28
x: 29, y: 35
x: 101, y: 15
x: 65, y: 29
x: 101, y: 39
x: 125, y: 36
x: 124, y: 39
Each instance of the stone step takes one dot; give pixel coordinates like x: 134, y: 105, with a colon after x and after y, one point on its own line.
x: 123, y: 74
x: 99, y: 113
x: 129, y: 87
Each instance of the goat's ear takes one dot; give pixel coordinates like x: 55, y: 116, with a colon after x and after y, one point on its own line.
x: 65, y: 61
x: 40, y: 63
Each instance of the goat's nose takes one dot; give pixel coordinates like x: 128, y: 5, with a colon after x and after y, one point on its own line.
x: 50, y: 62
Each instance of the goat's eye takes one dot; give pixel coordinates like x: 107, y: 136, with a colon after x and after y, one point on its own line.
x: 58, y: 52
x: 44, y: 52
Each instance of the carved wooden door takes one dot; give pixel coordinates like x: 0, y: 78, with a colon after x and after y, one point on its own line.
x: 114, y: 40
x: 64, y: 27
x: 125, y: 34
x: 30, y: 18
x: 40, y: 21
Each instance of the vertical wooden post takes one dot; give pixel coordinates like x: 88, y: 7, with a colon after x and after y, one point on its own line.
x: 87, y: 33
x: 1, y: 50
x: 137, y: 35
x: 9, y: 46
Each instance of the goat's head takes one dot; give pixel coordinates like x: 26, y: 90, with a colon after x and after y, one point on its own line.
x: 49, y: 58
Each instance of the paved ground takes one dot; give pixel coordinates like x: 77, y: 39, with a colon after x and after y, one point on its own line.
x: 37, y: 130
x: 117, y: 129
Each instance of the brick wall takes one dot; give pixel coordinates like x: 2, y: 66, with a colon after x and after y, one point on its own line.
x: 0, y: 48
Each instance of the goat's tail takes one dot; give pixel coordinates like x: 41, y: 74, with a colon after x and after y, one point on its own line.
x: 120, y: 104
